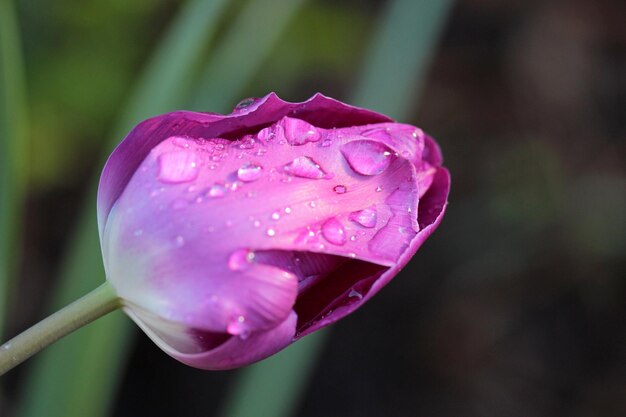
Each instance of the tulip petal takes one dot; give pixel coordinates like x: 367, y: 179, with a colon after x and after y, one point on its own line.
x: 227, y: 352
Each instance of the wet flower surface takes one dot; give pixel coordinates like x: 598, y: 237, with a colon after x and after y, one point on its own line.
x: 230, y: 236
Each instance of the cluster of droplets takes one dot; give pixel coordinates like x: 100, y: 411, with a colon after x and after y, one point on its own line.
x: 365, y: 157
x: 249, y: 172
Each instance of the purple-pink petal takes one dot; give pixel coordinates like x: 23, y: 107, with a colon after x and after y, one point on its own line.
x: 230, y: 236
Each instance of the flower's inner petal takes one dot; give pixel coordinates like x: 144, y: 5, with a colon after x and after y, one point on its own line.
x: 265, y: 298
x: 308, y: 267
x: 434, y: 200
x: 326, y: 283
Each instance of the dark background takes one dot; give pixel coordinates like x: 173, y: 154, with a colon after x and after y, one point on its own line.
x: 514, y: 307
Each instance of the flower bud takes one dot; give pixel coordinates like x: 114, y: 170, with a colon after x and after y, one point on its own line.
x: 228, y: 237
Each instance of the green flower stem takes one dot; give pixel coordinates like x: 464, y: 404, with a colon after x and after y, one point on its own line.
x: 83, y: 311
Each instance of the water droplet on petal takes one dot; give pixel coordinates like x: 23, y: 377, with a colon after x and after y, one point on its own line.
x: 355, y: 293
x: 299, y: 132
x: 305, y: 167
x: 180, y: 141
x: 240, y: 259
x: 275, y: 215
x: 366, y: 217
x: 287, y: 210
x: 267, y: 134
x: 246, y: 102
x: 333, y: 231
x: 237, y: 327
x: 177, y: 167
x: 340, y: 189
x: 247, y: 142
x: 271, y: 232
x: 379, y: 188
x: 249, y: 172
x: 367, y: 157
x: 234, y: 185
x: 217, y: 190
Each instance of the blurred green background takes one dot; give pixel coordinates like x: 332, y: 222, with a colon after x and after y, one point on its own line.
x: 514, y: 307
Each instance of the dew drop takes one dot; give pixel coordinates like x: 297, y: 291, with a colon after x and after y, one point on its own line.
x: 366, y: 217
x: 234, y: 185
x: 271, y: 232
x: 267, y: 134
x: 379, y: 188
x: 247, y: 143
x: 287, y: 210
x: 333, y: 231
x: 240, y: 259
x: 340, y: 189
x: 237, y: 327
x: 180, y: 141
x: 305, y: 167
x: 246, y: 102
x: 367, y: 157
x: 354, y: 293
x: 256, y: 223
x: 178, y: 167
x: 275, y: 215
x: 217, y: 190
x: 249, y: 172
x: 299, y: 132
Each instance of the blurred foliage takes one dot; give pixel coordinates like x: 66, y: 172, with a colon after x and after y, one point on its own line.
x: 514, y: 307
x: 13, y: 154
x: 318, y: 51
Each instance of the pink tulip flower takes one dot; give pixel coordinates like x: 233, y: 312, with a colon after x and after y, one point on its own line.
x: 228, y: 237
